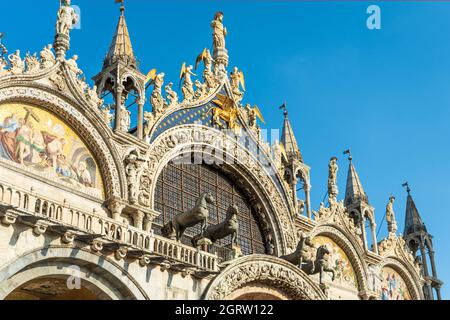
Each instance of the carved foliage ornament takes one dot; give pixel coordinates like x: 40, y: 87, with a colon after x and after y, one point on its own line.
x: 263, y: 269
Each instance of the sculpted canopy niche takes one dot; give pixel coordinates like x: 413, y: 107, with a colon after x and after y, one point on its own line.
x: 39, y: 142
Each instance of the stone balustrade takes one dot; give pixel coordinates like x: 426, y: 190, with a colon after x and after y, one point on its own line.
x: 29, y: 203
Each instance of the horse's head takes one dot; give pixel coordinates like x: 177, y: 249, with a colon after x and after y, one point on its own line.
x: 322, y: 250
x: 209, y: 198
x: 232, y: 212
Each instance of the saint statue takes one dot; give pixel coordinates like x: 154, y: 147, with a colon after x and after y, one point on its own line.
x: 390, y: 215
x: 66, y: 18
x: 219, y: 31
x: 332, y: 177
x: 47, y: 57
x: 157, y: 100
x: 17, y: 65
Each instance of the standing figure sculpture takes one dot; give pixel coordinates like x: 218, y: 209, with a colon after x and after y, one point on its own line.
x: 219, y: 31
x: 157, y: 100
x: 17, y: 64
x: 172, y: 96
x: 208, y: 75
x: 237, y: 80
x: 31, y: 62
x: 175, y: 228
x: 47, y: 57
x: 188, y: 87
x: 332, y: 178
x: 229, y: 226
x: 132, y: 166
x: 66, y: 18
x: 390, y: 216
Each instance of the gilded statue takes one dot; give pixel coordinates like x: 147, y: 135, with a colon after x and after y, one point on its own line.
x: 224, y: 110
x: 390, y: 215
x: 208, y: 75
x: 188, y: 87
x: 66, y: 18
x: 237, y: 80
x: 47, y: 57
x: 253, y: 113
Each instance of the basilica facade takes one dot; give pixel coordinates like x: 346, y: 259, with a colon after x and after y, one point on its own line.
x: 192, y: 202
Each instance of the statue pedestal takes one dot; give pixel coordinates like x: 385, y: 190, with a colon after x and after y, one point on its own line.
x: 203, y: 244
x: 235, y: 252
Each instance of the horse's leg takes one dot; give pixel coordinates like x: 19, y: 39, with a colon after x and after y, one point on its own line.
x: 320, y: 274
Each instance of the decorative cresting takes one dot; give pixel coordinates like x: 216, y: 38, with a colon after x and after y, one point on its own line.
x: 264, y: 269
x: 410, y: 277
x: 80, y: 121
x: 194, y: 138
x: 395, y: 247
x: 353, y: 251
x: 336, y: 214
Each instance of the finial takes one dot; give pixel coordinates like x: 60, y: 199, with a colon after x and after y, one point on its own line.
x: 283, y: 106
x: 406, y: 184
x: 349, y: 154
x: 122, y: 6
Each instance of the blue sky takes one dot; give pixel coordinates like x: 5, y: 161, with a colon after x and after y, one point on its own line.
x: 383, y: 93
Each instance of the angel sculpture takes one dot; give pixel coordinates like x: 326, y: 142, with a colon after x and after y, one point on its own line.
x: 47, y: 57
x: 188, y: 88
x: 253, y: 113
x: 172, y: 96
x: 237, y: 78
x: 17, y: 65
x: 157, y: 100
x: 208, y: 75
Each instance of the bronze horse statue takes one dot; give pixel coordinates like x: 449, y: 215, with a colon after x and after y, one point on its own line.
x: 175, y: 228
x: 301, y: 253
x: 320, y: 264
x: 219, y: 231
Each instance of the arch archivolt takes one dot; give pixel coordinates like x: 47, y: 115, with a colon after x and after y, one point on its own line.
x: 82, y: 123
x: 270, y: 273
x: 351, y: 249
x: 410, y: 278
x: 188, y: 139
x: 98, y: 273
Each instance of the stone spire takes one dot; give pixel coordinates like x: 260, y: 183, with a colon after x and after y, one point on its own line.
x: 294, y: 166
x: 354, y: 190
x: 357, y: 203
x: 121, y: 48
x: 413, y: 221
x: 420, y: 243
x: 120, y: 76
x: 288, y: 138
